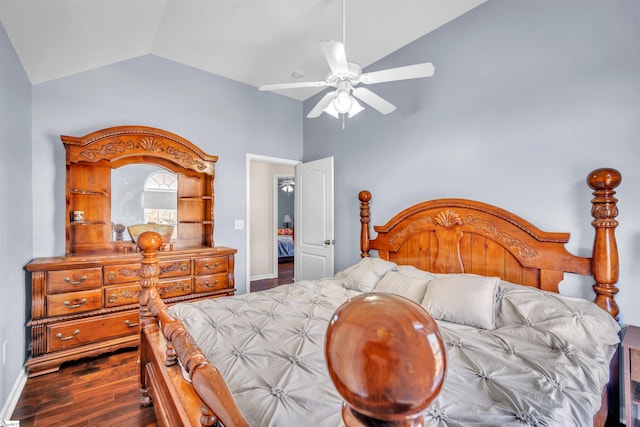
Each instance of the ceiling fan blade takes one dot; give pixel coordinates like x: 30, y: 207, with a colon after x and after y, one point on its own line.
x: 295, y: 85
x: 336, y: 57
x: 401, y: 73
x: 377, y: 102
x: 320, y: 106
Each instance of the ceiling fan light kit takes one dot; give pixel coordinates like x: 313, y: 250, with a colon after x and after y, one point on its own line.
x: 345, y: 78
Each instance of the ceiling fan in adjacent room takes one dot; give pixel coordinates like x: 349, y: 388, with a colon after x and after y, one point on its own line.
x: 345, y: 78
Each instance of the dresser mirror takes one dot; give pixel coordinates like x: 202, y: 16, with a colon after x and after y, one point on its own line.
x: 142, y: 194
x: 129, y: 175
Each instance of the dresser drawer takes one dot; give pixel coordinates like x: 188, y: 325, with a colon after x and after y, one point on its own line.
x: 214, y: 282
x: 74, y: 302
x: 634, y: 358
x: 211, y: 265
x: 174, y: 288
x: 123, y: 273
x: 180, y: 267
x: 70, y: 334
x: 74, y: 280
x: 122, y: 295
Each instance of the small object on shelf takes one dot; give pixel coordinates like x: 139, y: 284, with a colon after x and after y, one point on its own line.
x: 78, y: 216
x: 119, y: 230
x: 631, y: 356
x: 164, y: 230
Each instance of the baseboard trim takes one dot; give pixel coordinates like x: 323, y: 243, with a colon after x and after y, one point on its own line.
x: 14, y: 396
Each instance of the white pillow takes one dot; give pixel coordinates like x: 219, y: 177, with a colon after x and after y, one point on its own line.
x: 364, y: 275
x: 409, y: 287
x: 467, y: 299
x: 411, y: 271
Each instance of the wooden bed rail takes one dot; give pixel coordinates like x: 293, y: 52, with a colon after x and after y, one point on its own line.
x: 217, y: 403
x: 532, y: 257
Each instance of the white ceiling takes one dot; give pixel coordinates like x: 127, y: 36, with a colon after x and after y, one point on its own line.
x: 251, y: 41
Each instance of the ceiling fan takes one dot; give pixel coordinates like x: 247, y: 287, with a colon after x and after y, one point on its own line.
x: 346, y: 76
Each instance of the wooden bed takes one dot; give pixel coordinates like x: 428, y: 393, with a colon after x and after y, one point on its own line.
x: 440, y: 236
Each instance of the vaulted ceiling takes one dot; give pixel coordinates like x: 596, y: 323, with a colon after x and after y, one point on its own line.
x: 251, y: 41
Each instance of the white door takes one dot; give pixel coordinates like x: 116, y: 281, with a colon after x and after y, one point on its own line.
x: 314, y: 240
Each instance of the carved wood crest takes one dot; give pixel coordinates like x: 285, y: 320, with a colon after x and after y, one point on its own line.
x: 450, y: 218
x: 147, y: 145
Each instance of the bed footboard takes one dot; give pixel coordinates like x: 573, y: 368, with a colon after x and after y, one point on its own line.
x: 165, y: 349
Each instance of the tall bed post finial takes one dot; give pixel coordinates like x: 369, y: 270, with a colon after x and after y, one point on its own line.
x: 149, y: 242
x: 364, y: 197
x: 605, y: 251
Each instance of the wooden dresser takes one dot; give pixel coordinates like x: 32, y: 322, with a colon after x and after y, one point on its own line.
x: 86, y: 302
x: 87, y: 305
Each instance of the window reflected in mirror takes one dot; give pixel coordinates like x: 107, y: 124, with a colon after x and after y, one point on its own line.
x: 140, y: 194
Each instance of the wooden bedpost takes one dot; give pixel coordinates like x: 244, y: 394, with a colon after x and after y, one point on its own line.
x: 605, y: 251
x: 149, y: 242
x: 364, y: 197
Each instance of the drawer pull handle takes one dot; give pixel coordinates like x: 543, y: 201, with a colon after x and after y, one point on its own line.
x: 184, y: 267
x: 113, y: 298
x: 111, y: 275
x: 80, y: 304
x: 77, y: 282
x: 186, y: 287
x: 129, y: 324
x: 209, y: 285
x: 214, y: 266
x: 61, y: 338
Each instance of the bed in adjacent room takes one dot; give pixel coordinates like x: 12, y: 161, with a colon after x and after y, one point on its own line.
x: 285, y: 245
x: 517, y: 351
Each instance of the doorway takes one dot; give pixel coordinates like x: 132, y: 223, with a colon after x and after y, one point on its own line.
x: 263, y: 220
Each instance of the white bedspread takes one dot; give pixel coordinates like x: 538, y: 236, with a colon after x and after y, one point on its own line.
x: 545, y: 364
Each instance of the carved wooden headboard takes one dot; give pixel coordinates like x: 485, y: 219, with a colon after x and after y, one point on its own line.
x: 466, y: 236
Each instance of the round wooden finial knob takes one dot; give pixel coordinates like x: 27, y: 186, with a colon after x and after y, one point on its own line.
x: 604, y: 178
x: 385, y: 356
x: 364, y: 196
x: 149, y: 241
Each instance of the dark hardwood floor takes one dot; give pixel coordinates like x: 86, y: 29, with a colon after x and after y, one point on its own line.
x: 101, y: 391
x: 285, y: 276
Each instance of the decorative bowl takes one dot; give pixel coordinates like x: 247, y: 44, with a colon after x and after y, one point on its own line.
x: 164, y: 230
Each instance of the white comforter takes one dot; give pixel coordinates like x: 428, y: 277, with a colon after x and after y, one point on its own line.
x: 545, y: 364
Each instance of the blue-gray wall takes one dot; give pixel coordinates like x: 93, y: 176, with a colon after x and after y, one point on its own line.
x: 528, y: 97
x: 15, y: 211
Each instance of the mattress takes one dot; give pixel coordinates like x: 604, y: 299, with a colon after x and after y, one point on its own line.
x: 545, y: 362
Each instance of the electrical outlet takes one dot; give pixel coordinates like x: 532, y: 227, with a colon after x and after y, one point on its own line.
x: 239, y: 224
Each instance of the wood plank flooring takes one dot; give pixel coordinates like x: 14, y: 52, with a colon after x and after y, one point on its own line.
x: 285, y: 276
x: 101, y: 391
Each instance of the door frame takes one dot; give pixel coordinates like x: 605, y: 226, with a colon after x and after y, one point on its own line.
x: 247, y: 229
